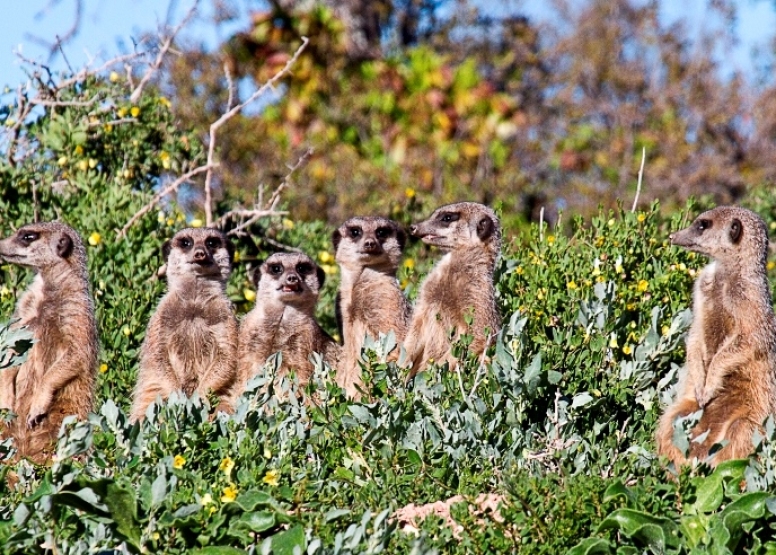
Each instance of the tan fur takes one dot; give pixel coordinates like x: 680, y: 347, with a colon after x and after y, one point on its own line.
x: 283, y: 319
x: 369, y: 301
x: 731, y: 346
x: 191, y: 341
x: 58, y: 378
x: 460, y: 285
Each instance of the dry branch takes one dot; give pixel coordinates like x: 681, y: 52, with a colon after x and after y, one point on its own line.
x: 231, y: 113
x: 160, y: 195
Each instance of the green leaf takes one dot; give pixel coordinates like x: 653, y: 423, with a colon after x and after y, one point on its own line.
x: 554, y: 377
x: 334, y: 514
x: 709, y: 494
x: 653, y: 531
x: 533, y: 373
x: 728, y: 527
x: 122, y: 506
x: 591, y: 546
x: 695, y: 528
x: 285, y: 542
x: 258, y: 521
x: 218, y: 550
x: 617, y: 490
x: 251, y: 500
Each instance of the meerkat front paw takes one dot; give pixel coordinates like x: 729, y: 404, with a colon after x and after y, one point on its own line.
x: 702, y: 395
x: 38, y: 411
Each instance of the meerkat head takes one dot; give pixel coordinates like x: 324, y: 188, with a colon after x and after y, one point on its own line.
x: 198, y: 252
x: 372, y: 242
x: 44, y: 245
x: 460, y: 226
x: 726, y: 233
x: 291, y: 278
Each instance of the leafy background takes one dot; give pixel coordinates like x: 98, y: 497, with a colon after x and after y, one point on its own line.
x: 559, y: 420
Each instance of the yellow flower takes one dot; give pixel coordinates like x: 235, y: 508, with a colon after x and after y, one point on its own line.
x: 135, y: 111
x: 103, y: 368
x: 229, y: 493
x: 164, y: 156
x: 226, y: 466
x: 267, y: 453
x: 599, y: 241
x: 325, y: 257
x: 155, y: 536
x: 126, y: 331
x: 773, y: 225
x: 643, y: 285
x: 206, y: 500
x: 641, y: 217
x: 328, y: 269
x: 94, y: 239
x: 92, y: 163
x: 771, y: 265
x: 409, y: 264
x: 571, y: 285
x: 121, y: 112
x: 600, y: 279
x: 113, y: 77
x: 610, y: 223
x: 627, y: 350
x: 550, y: 239
x: 180, y: 218
x: 236, y: 257
x: 178, y: 462
x: 618, y: 265
x: 288, y: 224
x: 409, y: 192
x: 249, y: 294
x: 79, y: 150
x: 83, y: 165
x: 665, y: 329
x: 196, y: 222
x: 62, y: 160
x: 108, y: 128
x: 336, y: 337
x: 519, y: 270
x: 4, y: 291
x: 170, y: 222
x: 271, y: 478
x: 212, y: 509
x: 164, y: 102
x: 613, y: 342
x: 683, y: 267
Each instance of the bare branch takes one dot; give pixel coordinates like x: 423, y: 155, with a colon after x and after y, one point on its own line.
x: 160, y: 195
x: 160, y: 56
x: 229, y: 86
x: 641, y: 173
x: 229, y: 114
x: 273, y: 200
x: 39, y: 101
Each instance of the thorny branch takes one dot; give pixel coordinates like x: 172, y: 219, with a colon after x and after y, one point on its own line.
x: 251, y: 216
x: 231, y: 113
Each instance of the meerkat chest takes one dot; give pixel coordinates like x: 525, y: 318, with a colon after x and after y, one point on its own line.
x: 32, y: 305
x: 710, y: 311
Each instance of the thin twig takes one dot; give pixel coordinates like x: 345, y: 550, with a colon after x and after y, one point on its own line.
x: 229, y: 86
x: 273, y: 200
x: 83, y: 103
x: 160, y: 195
x: 641, y: 173
x: 228, y: 115
x: 133, y: 98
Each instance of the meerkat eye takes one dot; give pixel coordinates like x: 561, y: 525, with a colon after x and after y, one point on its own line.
x: 354, y: 232
x: 449, y: 217
x: 29, y: 236
x: 383, y: 232
x: 703, y: 225
x: 304, y: 268
x: 185, y: 243
x: 213, y: 243
x: 275, y: 269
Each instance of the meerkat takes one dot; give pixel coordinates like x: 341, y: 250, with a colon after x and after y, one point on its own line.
x: 191, y: 341
x: 460, y: 285
x: 369, y: 300
x: 283, y: 319
x: 730, y: 371
x: 58, y: 377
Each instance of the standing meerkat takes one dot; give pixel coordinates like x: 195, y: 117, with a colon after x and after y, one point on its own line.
x: 460, y: 285
x: 57, y: 379
x: 369, y: 300
x: 731, y: 345
x: 191, y: 341
x: 283, y: 319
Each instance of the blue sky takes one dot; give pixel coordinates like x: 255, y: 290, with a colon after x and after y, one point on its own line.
x: 108, y: 24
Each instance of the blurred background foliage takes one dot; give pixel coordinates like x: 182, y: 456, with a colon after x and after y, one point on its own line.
x: 457, y: 99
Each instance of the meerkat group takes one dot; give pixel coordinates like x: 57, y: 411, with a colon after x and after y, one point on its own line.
x: 194, y: 342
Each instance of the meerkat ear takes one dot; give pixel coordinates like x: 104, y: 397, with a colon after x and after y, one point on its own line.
x: 321, y: 276
x: 229, y: 248
x: 336, y: 237
x: 401, y: 237
x: 256, y: 274
x: 485, y: 228
x: 166, y: 248
x: 736, y: 230
x: 64, y: 245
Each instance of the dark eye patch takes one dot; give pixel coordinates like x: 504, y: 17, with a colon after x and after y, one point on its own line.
x: 28, y: 236
x: 383, y: 232
x: 449, y: 217
x: 703, y: 225
x: 304, y: 268
x: 354, y: 232
x: 275, y: 269
x: 213, y: 243
x: 185, y: 243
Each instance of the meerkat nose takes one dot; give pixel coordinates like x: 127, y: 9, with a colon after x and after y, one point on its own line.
x: 370, y: 244
x: 292, y: 278
x: 199, y: 254
x: 413, y: 229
